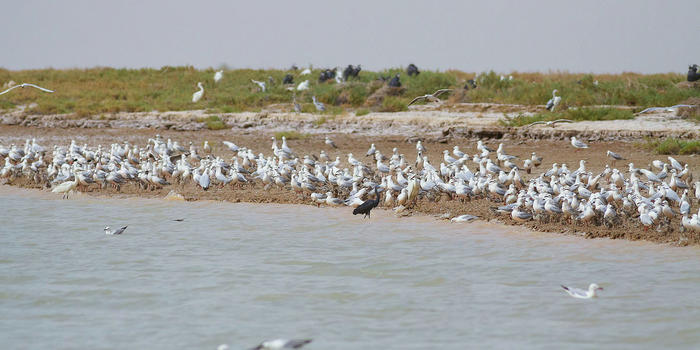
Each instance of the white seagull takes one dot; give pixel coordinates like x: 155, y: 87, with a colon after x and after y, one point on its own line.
x: 198, y: 95
x: 23, y: 85
x: 115, y: 232
x: 330, y: 142
x: 279, y: 344
x: 304, y: 85
x: 577, y: 143
x: 554, y: 101
x: 583, y: 294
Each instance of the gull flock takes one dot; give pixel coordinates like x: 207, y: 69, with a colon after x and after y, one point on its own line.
x: 648, y: 198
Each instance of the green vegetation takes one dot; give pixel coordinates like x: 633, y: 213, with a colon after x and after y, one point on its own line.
x: 362, y: 111
x: 291, y: 135
x: 215, y: 123
x: 575, y: 114
x: 674, y: 146
x: 95, y: 91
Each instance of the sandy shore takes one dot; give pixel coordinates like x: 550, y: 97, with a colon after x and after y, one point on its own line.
x: 398, y: 135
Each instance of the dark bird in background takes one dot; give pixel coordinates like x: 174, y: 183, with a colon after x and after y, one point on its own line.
x: 367, y: 206
x: 294, y: 67
x: 351, y: 71
x: 412, y: 70
x: 693, y: 74
x: 327, y: 74
x: 395, y: 82
x: 288, y: 79
x: 471, y: 84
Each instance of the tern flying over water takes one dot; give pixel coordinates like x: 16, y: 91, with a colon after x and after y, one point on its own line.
x: 430, y: 97
x: 583, y: 294
x: 23, y: 85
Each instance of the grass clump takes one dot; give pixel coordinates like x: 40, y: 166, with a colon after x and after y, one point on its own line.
x: 575, y: 114
x: 674, y: 146
x: 362, y: 111
x: 393, y: 104
x: 215, y: 123
x: 291, y: 135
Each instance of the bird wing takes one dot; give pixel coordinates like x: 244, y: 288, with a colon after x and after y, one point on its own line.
x: 440, y: 92
x: 562, y: 121
x: 10, y: 89
x: 416, y: 100
x: 537, y: 122
x: 550, y: 104
x: 36, y: 87
x: 119, y: 231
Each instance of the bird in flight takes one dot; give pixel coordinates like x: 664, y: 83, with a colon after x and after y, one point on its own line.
x: 551, y: 123
x: 23, y: 85
x: 430, y: 97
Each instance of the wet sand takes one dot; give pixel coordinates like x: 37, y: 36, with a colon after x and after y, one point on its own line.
x: 559, y: 151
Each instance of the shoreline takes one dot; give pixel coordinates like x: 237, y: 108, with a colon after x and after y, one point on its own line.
x: 553, y: 149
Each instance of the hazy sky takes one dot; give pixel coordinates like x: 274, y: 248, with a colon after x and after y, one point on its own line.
x: 577, y: 35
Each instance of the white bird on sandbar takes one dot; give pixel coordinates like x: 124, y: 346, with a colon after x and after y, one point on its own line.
x: 218, y: 76
x: 23, y: 85
x: 583, y: 294
x: 198, y: 95
x: 554, y: 101
x: 577, y: 143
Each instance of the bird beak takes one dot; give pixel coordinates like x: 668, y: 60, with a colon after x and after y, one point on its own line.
x: 600, y: 288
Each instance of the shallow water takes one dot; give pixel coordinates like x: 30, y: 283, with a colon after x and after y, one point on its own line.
x: 241, y: 273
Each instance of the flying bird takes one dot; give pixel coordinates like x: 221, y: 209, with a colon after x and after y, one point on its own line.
x: 23, y: 85
x: 115, y: 232
x: 430, y: 97
x: 554, y: 101
x: 551, y: 123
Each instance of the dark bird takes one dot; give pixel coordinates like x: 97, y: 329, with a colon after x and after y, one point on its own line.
x: 288, y: 79
x: 395, y: 82
x: 279, y: 344
x: 471, y: 84
x: 328, y: 74
x: 693, y: 74
x: 367, y: 206
x: 412, y: 70
x: 351, y: 71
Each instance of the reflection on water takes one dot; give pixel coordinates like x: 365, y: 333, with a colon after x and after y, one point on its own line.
x: 240, y: 273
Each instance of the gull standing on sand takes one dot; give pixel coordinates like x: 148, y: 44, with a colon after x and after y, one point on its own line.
x: 218, y: 75
x: 115, y: 232
x: 577, y: 143
x: 198, y: 95
x: 583, y: 294
x: 554, y: 101
x: 261, y: 84
x: 614, y: 156
x: 430, y: 97
x: 330, y: 142
x: 23, y: 85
